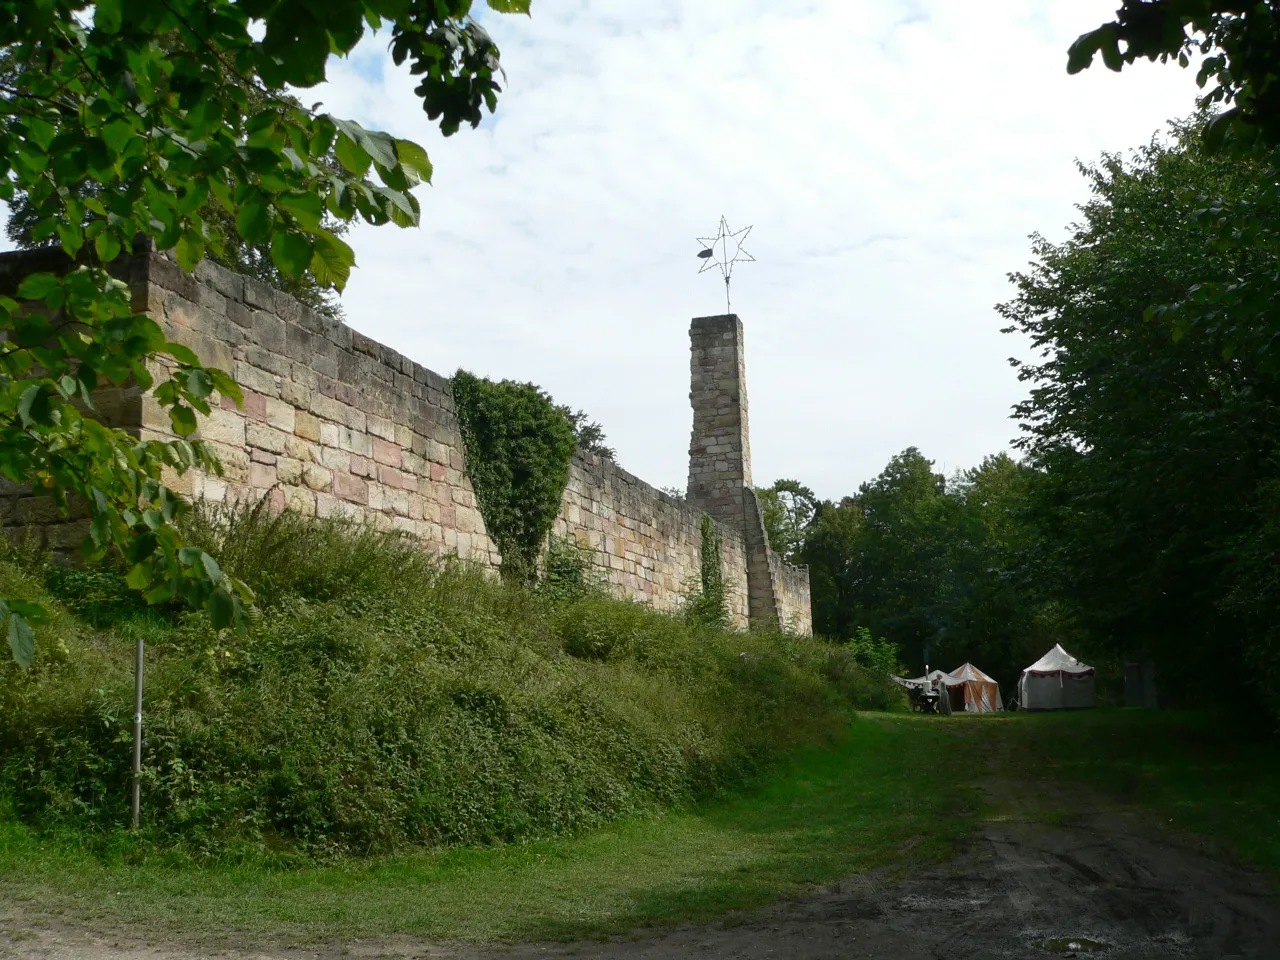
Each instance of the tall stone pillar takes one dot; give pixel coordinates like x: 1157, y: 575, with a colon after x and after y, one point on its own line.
x: 719, y: 450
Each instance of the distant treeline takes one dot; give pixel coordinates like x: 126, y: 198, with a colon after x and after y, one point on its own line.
x: 1143, y: 517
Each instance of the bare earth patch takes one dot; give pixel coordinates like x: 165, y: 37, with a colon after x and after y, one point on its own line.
x: 1079, y: 880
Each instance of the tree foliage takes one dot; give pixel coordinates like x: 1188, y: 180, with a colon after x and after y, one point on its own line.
x: 1237, y: 47
x: 129, y: 118
x: 937, y: 567
x: 590, y: 433
x: 786, y: 509
x: 1155, y: 456
x: 518, y: 445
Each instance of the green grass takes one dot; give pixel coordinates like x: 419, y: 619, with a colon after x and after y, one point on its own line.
x: 1210, y: 775
x: 825, y: 814
x: 892, y: 790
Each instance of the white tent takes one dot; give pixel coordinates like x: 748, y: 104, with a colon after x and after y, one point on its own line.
x: 1057, y: 681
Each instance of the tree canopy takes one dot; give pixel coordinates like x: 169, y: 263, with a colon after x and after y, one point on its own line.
x: 172, y: 122
x: 1155, y: 455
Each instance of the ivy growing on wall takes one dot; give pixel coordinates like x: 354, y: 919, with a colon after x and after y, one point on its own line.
x: 707, y: 606
x: 518, y: 446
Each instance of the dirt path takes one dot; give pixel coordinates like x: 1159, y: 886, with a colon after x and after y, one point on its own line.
x: 1104, y: 881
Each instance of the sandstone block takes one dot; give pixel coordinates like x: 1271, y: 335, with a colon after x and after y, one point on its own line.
x: 306, y: 425
x: 267, y: 438
x: 280, y: 414
x: 262, y: 475
x: 381, y: 427
x: 288, y: 470
x: 300, y: 499
x: 350, y: 488
x: 300, y: 449
x: 222, y: 426
x: 317, y: 477
x: 336, y: 459
x: 386, y: 452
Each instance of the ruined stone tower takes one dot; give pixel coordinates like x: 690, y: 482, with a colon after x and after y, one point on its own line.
x: 720, y: 449
x: 720, y: 470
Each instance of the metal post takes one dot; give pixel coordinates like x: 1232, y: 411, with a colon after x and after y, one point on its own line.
x: 137, y: 737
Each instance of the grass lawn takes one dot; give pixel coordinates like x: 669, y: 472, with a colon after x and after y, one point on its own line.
x: 1199, y: 773
x: 828, y: 813
x: 895, y: 788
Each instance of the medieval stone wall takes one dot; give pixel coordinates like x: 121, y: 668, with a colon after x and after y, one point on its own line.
x: 334, y: 423
x: 648, y: 544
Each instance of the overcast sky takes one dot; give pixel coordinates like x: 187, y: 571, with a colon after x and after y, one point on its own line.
x: 891, y: 155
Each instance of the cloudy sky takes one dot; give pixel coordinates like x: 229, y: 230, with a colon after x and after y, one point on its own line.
x: 892, y: 158
x: 891, y: 155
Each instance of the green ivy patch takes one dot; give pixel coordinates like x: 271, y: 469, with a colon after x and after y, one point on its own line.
x: 518, y: 446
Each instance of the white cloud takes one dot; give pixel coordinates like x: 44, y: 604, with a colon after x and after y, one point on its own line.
x: 892, y: 157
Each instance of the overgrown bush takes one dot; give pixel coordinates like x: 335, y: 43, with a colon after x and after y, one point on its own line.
x: 568, y: 571
x: 877, y: 654
x: 518, y: 446
x: 386, y: 700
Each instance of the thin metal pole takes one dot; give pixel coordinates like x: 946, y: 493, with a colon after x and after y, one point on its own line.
x: 137, y: 737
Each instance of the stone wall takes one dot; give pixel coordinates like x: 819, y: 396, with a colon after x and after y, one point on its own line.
x: 648, y: 544
x: 720, y: 470
x: 334, y: 423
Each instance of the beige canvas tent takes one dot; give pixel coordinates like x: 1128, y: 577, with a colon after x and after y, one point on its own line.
x: 972, y: 690
x: 1057, y: 681
x: 966, y: 689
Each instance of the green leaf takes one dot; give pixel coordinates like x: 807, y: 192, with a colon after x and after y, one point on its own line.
x: 253, y: 221
x: 332, y: 262
x: 199, y: 383
x: 380, y: 147
x: 400, y: 207
x: 38, y: 286
x: 139, y: 576
x: 32, y: 405
x: 352, y: 156
x: 108, y: 15
x: 413, y: 157
x: 510, y: 6
x: 222, y: 608
x: 107, y: 246
x: 291, y: 253
x: 182, y: 354
x: 183, y: 420
x: 40, y: 132
x: 306, y: 208
x: 211, y: 568
x: 117, y: 135
x: 1080, y: 54
x: 22, y: 641
x: 190, y: 250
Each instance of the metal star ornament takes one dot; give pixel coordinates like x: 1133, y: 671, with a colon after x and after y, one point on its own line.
x: 723, y: 251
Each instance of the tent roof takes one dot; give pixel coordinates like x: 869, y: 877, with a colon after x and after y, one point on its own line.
x: 967, y: 671
x: 961, y: 674
x: 1058, y: 660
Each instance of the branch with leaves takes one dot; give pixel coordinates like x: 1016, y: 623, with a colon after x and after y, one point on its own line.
x: 175, y: 113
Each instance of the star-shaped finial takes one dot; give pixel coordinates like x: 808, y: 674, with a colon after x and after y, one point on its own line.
x: 723, y: 251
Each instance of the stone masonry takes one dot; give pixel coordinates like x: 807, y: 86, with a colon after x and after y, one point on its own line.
x: 720, y: 471
x: 334, y: 423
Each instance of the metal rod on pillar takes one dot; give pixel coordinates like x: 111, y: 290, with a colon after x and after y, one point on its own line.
x: 137, y: 736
